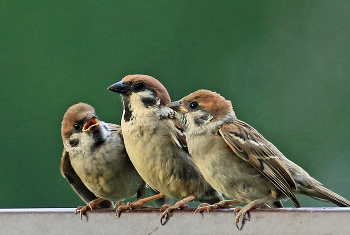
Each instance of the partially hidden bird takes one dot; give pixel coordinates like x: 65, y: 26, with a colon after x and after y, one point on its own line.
x: 156, y: 145
x: 238, y: 161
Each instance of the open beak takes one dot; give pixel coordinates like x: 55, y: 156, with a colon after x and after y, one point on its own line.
x: 119, y: 87
x: 91, y: 125
x: 177, y: 106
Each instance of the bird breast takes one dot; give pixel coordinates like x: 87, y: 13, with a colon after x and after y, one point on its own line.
x: 225, y: 171
x: 106, y: 169
x: 156, y: 156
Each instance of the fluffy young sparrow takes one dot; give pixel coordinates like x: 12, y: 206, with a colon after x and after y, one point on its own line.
x: 238, y: 161
x: 156, y: 145
x: 94, y: 159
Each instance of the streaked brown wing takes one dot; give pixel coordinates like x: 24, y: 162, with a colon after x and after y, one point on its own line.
x: 115, y: 128
x: 79, y: 187
x: 248, y: 144
x: 180, y: 134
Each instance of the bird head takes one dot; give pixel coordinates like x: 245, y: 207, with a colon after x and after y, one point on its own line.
x: 140, y: 92
x: 201, y: 107
x: 78, y: 119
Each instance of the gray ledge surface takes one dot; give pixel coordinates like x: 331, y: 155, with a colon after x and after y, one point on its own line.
x: 331, y: 220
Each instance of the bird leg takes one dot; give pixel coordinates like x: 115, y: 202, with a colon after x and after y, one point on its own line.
x: 91, y: 205
x: 243, y: 211
x: 222, y: 204
x: 136, y: 204
x: 168, y: 209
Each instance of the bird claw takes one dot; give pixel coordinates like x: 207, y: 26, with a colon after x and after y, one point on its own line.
x: 81, y: 210
x: 208, y: 207
x: 242, y: 215
x: 123, y: 207
x: 239, y: 220
x: 168, y: 211
x: 91, y: 205
x: 164, y: 207
x: 243, y: 212
x: 129, y: 206
x: 165, y: 217
x: 203, y: 207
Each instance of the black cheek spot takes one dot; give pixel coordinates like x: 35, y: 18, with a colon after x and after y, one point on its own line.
x: 149, y: 101
x: 202, y: 119
x: 198, y: 121
x: 73, y: 142
x: 206, y: 117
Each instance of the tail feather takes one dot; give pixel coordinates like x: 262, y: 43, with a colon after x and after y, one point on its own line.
x: 326, y: 194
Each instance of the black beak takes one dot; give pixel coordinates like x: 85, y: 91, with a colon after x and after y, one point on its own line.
x: 119, y: 87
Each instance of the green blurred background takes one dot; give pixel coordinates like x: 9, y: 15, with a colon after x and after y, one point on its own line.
x: 284, y: 64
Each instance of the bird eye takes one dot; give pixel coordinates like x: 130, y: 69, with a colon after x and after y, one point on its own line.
x: 194, y: 105
x: 139, y: 86
x: 76, y: 126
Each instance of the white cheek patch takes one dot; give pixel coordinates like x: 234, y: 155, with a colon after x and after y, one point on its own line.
x: 147, y: 94
x: 136, y: 99
x: 85, y: 142
x: 136, y: 102
x: 75, y: 136
x: 146, y: 104
x: 66, y: 145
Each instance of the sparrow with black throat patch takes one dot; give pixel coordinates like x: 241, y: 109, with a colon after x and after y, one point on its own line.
x: 238, y: 161
x: 156, y: 145
x: 94, y: 160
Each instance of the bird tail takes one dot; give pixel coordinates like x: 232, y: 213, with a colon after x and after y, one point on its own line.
x: 324, y: 194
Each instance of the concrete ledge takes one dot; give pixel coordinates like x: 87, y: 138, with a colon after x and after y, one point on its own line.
x: 333, y: 220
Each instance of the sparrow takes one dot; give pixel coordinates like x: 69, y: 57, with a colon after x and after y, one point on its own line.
x: 94, y: 160
x: 156, y: 145
x: 238, y: 161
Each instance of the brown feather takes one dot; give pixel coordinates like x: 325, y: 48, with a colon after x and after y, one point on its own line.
x: 180, y: 133
x: 152, y: 83
x: 252, y: 147
x: 219, y: 107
